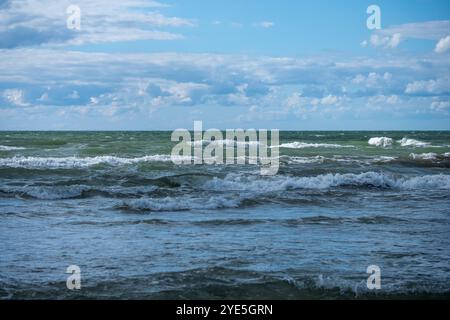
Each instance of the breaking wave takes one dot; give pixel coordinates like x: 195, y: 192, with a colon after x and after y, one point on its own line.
x: 78, y: 162
x: 302, y: 145
x: 380, y: 142
x: 325, y: 181
x: 405, y: 142
x: 224, y: 142
x: 430, y: 156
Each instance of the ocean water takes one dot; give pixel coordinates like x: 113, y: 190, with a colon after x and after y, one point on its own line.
x: 139, y: 226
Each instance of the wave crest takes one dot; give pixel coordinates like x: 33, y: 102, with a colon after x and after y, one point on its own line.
x: 78, y: 162
x: 380, y: 142
x: 325, y: 181
x: 302, y: 145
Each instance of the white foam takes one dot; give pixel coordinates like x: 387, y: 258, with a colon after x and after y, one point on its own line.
x: 405, y: 142
x: 380, y: 141
x: 78, y: 162
x: 384, y: 159
x: 336, y: 158
x: 224, y: 142
x: 10, y: 148
x: 258, y: 184
x: 303, y: 160
x: 302, y: 145
x: 424, y: 156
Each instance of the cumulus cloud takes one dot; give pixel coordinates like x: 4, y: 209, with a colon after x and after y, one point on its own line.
x: 440, y: 106
x: 15, y: 97
x: 439, y: 86
x: 387, y: 41
x: 372, y: 79
x: 443, y: 45
x: 391, y: 37
x: 115, y: 85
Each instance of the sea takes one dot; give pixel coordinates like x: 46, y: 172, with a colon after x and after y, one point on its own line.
x: 139, y: 226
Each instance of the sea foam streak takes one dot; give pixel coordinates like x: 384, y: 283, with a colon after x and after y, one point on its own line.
x: 302, y: 145
x: 10, y: 148
x: 77, y: 162
x: 224, y: 142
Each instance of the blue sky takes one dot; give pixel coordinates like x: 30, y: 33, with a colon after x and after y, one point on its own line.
x: 147, y: 65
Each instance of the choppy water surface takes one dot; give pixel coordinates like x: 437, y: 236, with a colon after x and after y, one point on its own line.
x: 139, y: 226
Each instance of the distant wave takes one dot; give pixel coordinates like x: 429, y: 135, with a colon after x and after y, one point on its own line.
x: 10, y: 148
x: 340, y: 159
x: 405, y: 142
x: 78, y: 162
x: 385, y: 142
x: 302, y: 145
x: 381, y: 142
x: 224, y: 142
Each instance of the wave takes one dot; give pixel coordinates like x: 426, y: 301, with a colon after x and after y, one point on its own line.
x: 385, y: 142
x: 430, y: 156
x: 78, y: 162
x: 179, y: 203
x: 258, y: 184
x: 302, y: 145
x: 224, y: 142
x: 405, y: 142
x: 74, y: 192
x: 10, y: 148
x: 336, y: 158
x: 381, y: 142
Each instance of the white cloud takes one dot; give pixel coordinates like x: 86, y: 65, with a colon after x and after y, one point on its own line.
x: 120, y: 84
x: 388, y: 41
x: 440, y: 105
x: 391, y: 37
x: 372, y: 79
x: 327, y: 100
x: 265, y: 24
x: 15, y: 97
x: 428, y: 86
x: 443, y: 45
x: 28, y: 22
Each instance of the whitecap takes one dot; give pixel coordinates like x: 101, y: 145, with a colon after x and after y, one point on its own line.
x: 257, y: 184
x: 405, y: 142
x: 424, y: 156
x: 381, y: 141
x: 301, y: 145
x: 79, y: 162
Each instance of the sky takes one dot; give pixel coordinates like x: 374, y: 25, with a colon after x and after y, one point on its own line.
x: 288, y: 65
